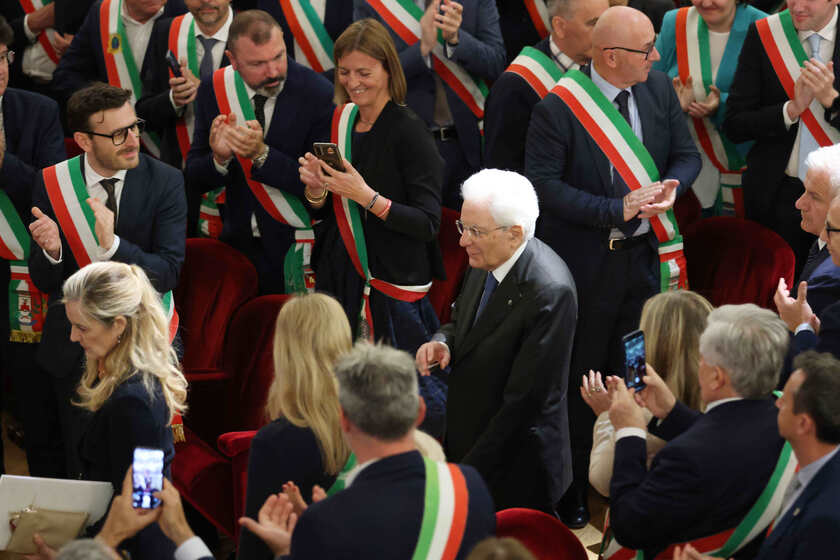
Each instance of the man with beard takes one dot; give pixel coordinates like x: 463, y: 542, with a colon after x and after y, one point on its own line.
x: 253, y: 121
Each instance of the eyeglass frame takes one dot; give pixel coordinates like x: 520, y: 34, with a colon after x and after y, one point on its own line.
x: 646, y: 53
x: 474, y: 232
x: 8, y: 56
x: 140, y: 124
x: 829, y: 230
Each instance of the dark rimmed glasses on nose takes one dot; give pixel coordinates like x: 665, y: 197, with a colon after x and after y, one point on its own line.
x: 474, y: 231
x: 120, y: 136
x: 8, y: 56
x: 646, y: 53
x: 829, y: 230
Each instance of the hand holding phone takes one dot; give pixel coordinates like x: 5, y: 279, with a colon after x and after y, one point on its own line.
x: 634, y: 360
x: 147, y: 477
x: 329, y: 153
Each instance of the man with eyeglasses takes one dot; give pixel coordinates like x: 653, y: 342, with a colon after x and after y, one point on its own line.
x: 508, y: 347
x: 30, y: 138
x: 111, y: 203
x: 609, y: 151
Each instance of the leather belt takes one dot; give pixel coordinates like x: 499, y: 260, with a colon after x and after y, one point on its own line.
x: 445, y: 133
x: 627, y: 242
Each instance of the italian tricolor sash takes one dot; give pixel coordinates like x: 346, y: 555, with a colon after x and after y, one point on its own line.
x: 536, y: 68
x: 693, y: 60
x: 781, y: 43
x: 232, y: 98
x: 539, y: 16
x: 45, y: 37
x: 630, y: 158
x: 119, y: 61
x: 68, y: 196
x: 182, y: 45
x: 27, y: 305
x: 341, y: 480
x: 349, y: 221
x: 403, y: 17
x: 725, y: 543
x: 444, y: 512
x: 310, y: 34
x: 209, y: 219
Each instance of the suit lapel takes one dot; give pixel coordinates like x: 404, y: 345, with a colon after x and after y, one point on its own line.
x: 130, y: 202
x: 467, y: 302
x: 646, y: 106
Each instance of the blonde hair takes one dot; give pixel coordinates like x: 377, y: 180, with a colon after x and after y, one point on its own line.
x: 310, y: 334
x: 673, y: 322
x: 370, y: 37
x: 105, y: 291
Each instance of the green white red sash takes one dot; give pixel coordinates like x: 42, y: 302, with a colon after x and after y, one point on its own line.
x: 44, y: 38
x: 310, y: 34
x: 539, y: 16
x: 693, y: 60
x: 536, y: 68
x: 182, y: 45
x: 403, y: 17
x: 726, y: 543
x: 119, y: 61
x: 341, y: 480
x: 232, y: 98
x: 347, y: 215
x: 781, y: 43
x: 630, y: 159
x: 68, y: 196
x: 209, y: 219
x: 444, y: 512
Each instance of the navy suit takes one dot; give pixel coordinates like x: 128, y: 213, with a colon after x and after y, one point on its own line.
x: 518, y: 29
x: 829, y: 337
x: 823, y: 277
x: 302, y: 115
x: 380, y: 513
x: 151, y: 225
x: 704, y: 481
x: 809, y: 528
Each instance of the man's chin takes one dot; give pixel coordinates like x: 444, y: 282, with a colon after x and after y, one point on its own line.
x: 130, y: 162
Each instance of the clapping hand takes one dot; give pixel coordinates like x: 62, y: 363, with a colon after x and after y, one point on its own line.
x: 663, y: 201
x: 702, y: 109
x: 595, y: 393
x: 685, y: 92
x: 276, y: 523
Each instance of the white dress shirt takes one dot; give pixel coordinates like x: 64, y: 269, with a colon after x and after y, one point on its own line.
x: 138, y: 34
x: 36, y: 63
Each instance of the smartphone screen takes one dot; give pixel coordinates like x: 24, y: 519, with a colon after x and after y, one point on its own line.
x: 147, y: 470
x: 634, y: 359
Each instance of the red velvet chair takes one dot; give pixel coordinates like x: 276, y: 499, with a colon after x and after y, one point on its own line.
x: 545, y: 536
x: 733, y: 260
x: 455, y: 262
x: 236, y: 446
x: 687, y: 209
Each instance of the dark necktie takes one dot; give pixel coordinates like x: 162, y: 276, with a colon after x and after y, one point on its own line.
x: 111, y: 201
x: 619, y: 187
x: 810, y: 265
x: 205, y: 70
x: 490, y: 284
x: 259, y: 109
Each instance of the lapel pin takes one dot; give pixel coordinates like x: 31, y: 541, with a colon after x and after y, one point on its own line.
x: 796, y: 512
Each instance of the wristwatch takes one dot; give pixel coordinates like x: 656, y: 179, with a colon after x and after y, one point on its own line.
x: 260, y: 158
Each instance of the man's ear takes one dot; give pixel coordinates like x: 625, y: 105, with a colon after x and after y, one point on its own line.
x: 517, y: 234
x: 558, y: 27
x: 84, y: 141
x: 421, y: 411
x: 232, y: 59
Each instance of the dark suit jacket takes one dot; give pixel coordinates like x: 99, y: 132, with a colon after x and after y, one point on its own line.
x: 280, y: 452
x: 129, y: 418
x: 518, y: 30
x: 507, y: 114
x: 302, y: 115
x: 704, y: 481
x: 507, y: 389
x: 809, y: 528
x: 754, y: 112
x: 829, y: 337
x: 823, y: 278
x: 380, y: 513
x: 84, y: 61
x: 151, y: 225
x: 577, y: 207
x: 480, y: 51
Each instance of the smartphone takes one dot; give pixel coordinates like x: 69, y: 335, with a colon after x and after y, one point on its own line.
x: 174, y: 65
x: 634, y: 360
x: 147, y: 477
x: 329, y: 154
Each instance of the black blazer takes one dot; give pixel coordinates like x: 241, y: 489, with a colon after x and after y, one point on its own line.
x: 754, y: 112
x: 829, y: 337
x: 704, y: 481
x: 823, y: 277
x: 509, y: 371
x: 151, y: 225
x: 380, y: 513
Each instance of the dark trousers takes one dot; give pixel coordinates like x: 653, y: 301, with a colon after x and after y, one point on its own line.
x: 456, y: 171
x: 610, y: 306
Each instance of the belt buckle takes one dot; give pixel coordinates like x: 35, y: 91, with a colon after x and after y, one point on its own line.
x: 444, y: 133
x: 612, y: 244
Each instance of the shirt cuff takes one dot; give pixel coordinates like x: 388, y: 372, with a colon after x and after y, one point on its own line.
x: 449, y: 50
x: 630, y: 432
x: 192, y: 549
x: 788, y: 121
x: 803, y: 327
x: 178, y: 110
x: 223, y: 169
x: 52, y: 260
x: 106, y: 255
x: 28, y: 32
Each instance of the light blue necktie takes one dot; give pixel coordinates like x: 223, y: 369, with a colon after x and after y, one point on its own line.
x: 807, y: 142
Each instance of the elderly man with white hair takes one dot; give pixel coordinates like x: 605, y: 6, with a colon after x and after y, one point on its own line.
x: 508, y: 346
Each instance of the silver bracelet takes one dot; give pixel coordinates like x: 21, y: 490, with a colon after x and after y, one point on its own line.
x: 372, y: 201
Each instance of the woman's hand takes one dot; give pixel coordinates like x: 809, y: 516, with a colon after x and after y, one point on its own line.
x: 292, y: 492
x: 594, y: 393
x: 311, y: 174
x: 349, y: 184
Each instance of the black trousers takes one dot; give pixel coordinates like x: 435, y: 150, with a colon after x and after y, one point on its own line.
x: 455, y: 172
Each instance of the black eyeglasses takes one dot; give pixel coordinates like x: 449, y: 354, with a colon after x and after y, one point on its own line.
x: 474, y: 231
x: 829, y: 230
x: 646, y: 53
x: 120, y: 136
x: 8, y: 56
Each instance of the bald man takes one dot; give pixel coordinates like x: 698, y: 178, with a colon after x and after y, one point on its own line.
x: 605, y: 232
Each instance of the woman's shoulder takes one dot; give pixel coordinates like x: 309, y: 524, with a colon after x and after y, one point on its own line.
x: 283, y: 431
x: 133, y: 393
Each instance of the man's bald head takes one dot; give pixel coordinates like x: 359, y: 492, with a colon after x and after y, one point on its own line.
x: 620, y: 40
x: 618, y: 25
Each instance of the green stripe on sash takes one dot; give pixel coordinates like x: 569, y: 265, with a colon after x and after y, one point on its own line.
x: 74, y: 166
x: 430, y: 511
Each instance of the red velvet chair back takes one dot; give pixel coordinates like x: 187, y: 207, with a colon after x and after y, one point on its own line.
x: 733, y: 260
x: 687, y: 209
x: 72, y: 148
x: 215, y: 281
x: 455, y: 262
x: 545, y: 536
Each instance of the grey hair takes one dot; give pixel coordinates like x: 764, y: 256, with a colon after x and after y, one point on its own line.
x: 85, y: 549
x: 827, y: 160
x: 562, y: 8
x: 377, y: 389
x: 750, y: 343
x: 510, y: 197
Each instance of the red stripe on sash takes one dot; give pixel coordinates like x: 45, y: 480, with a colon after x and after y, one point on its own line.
x: 447, y: 76
x: 300, y: 36
x: 104, y: 37
x: 459, y: 516
x: 527, y: 75
x: 5, y: 252
x: 62, y: 214
x: 28, y: 8
x: 682, y: 41
x: 536, y: 18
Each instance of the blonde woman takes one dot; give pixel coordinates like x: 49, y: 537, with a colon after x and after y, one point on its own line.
x: 672, y: 323
x: 131, y: 382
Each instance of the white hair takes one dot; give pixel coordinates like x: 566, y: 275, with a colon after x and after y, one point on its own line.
x: 827, y: 160
x: 509, y: 196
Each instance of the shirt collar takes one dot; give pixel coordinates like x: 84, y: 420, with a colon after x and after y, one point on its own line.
x: 92, y: 177
x: 609, y: 90
x: 828, y: 32
x: 131, y: 20
x: 560, y: 58
x: 502, y: 270
x: 719, y: 402
x: 807, y: 474
x: 222, y: 33
x: 820, y: 242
